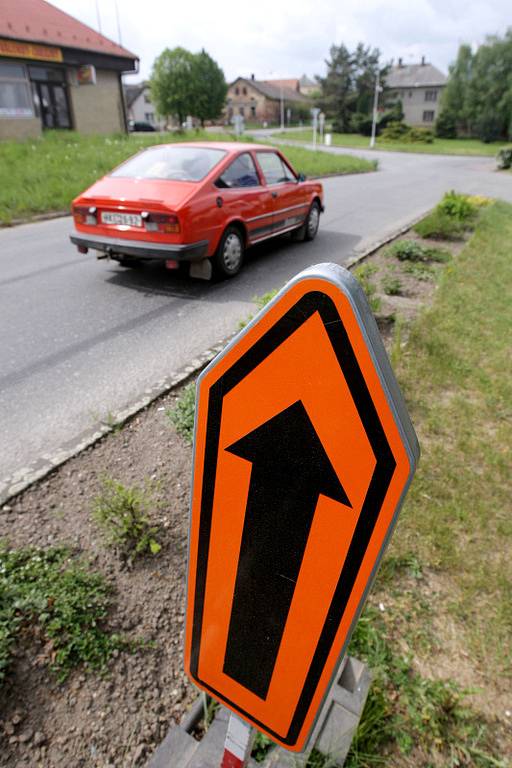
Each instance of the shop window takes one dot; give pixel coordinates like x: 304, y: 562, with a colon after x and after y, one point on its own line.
x: 15, y: 94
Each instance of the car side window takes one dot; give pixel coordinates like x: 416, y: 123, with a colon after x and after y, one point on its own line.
x: 241, y: 173
x: 274, y: 169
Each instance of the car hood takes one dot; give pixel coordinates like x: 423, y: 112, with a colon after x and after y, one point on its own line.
x: 170, y: 194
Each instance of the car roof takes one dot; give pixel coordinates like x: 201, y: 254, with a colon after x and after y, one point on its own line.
x: 228, y: 146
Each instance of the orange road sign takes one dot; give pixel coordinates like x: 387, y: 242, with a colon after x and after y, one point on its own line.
x: 303, y: 453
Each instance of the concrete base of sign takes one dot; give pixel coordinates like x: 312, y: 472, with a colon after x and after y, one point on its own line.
x: 332, y: 735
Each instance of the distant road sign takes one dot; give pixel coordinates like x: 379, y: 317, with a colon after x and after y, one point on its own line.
x: 303, y: 453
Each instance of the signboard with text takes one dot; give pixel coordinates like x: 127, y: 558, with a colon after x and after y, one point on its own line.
x: 24, y: 50
x: 303, y: 453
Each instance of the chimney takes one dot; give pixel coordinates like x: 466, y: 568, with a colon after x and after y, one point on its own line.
x: 400, y: 61
x: 252, y: 77
x: 422, y: 61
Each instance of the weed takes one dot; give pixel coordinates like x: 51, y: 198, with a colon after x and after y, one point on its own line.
x: 122, y: 514
x: 457, y: 206
x: 413, y: 251
x: 261, y: 747
x: 439, y: 226
x: 392, y: 286
x: 364, y: 274
x: 46, y: 595
x: 419, y: 270
x: 260, y: 301
x: 183, y: 414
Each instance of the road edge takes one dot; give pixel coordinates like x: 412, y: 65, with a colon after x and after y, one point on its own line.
x: 12, y: 485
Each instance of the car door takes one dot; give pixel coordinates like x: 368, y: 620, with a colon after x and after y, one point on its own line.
x: 241, y: 195
x: 288, y: 196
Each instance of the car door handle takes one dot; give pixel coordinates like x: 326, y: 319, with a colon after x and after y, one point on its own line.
x: 274, y: 194
x: 219, y: 202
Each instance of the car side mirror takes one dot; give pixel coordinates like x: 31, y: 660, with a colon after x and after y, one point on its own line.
x: 301, y: 177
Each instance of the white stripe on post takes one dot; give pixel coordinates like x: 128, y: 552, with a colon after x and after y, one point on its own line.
x: 238, y: 744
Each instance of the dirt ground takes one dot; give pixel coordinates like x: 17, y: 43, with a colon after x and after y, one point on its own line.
x: 118, y: 719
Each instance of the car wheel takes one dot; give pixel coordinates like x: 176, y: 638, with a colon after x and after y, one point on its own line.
x: 308, y: 230
x: 229, y: 258
x: 312, y: 221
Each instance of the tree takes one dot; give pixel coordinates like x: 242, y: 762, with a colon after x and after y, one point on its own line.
x: 209, y: 87
x: 478, y: 95
x: 349, y: 85
x: 171, y: 83
x: 456, y: 98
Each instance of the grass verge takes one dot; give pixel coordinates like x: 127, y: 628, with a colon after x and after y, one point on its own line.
x: 445, y: 589
x: 45, y: 174
x: 438, y: 146
x: 46, y: 595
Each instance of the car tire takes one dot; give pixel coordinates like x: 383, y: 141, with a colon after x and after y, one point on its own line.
x: 312, y: 221
x: 304, y: 232
x: 229, y: 256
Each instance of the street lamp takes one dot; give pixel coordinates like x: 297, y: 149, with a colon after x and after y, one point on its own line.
x: 378, y: 90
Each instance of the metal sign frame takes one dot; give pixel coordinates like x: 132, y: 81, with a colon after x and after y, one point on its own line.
x: 341, y: 279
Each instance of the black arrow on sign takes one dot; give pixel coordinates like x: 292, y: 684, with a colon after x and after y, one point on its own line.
x: 290, y: 468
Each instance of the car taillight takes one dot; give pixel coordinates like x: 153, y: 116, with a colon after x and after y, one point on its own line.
x: 84, y: 214
x: 162, y: 222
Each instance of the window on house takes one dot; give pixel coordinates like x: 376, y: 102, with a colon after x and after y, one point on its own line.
x: 241, y: 111
x: 241, y: 173
x: 237, y: 90
x: 430, y: 95
x: 15, y: 94
x: 428, y: 116
x: 253, y: 110
x: 149, y: 117
x: 410, y: 94
x: 147, y: 97
x: 244, y: 91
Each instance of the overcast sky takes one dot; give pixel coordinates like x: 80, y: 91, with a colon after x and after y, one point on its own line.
x: 287, y: 38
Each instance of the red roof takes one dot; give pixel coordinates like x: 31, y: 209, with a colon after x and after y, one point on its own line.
x: 39, y: 22
x: 292, y: 83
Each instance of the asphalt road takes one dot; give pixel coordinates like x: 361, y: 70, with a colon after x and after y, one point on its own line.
x: 79, y: 339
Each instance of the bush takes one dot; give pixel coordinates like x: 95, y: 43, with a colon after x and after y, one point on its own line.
x: 440, y: 226
x: 395, y: 131
x: 420, y: 136
x: 446, y: 125
x: 121, y: 512
x: 457, y: 206
x: 392, y: 286
x: 399, y: 131
x: 504, y: 158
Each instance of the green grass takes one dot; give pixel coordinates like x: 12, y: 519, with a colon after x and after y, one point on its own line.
x: 47, y: 596
x: 122, y: 514
x: 438, y: 146
x: 364, y: 274
x: 455, y: 372
x: 43, y: 175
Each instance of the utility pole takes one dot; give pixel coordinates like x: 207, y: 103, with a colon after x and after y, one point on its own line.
x: 282, y: 109
x: 375, y: 109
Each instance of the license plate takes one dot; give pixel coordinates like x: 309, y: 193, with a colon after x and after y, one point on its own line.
x: 124, y: 219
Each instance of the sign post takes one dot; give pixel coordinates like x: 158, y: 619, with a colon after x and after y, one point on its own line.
x: 303, y: 454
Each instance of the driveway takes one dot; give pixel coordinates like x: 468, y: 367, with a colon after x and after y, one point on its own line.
x: 81, y: 339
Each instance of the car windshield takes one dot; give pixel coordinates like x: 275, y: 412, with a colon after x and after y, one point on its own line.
x: 171, y: 163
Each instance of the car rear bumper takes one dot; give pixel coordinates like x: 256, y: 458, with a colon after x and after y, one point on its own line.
x: 113, y: 246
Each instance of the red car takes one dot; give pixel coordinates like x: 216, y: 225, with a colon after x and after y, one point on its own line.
x: 202, y: 203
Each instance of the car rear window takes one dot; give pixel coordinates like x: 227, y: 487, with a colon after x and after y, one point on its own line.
x: 171, y: 163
